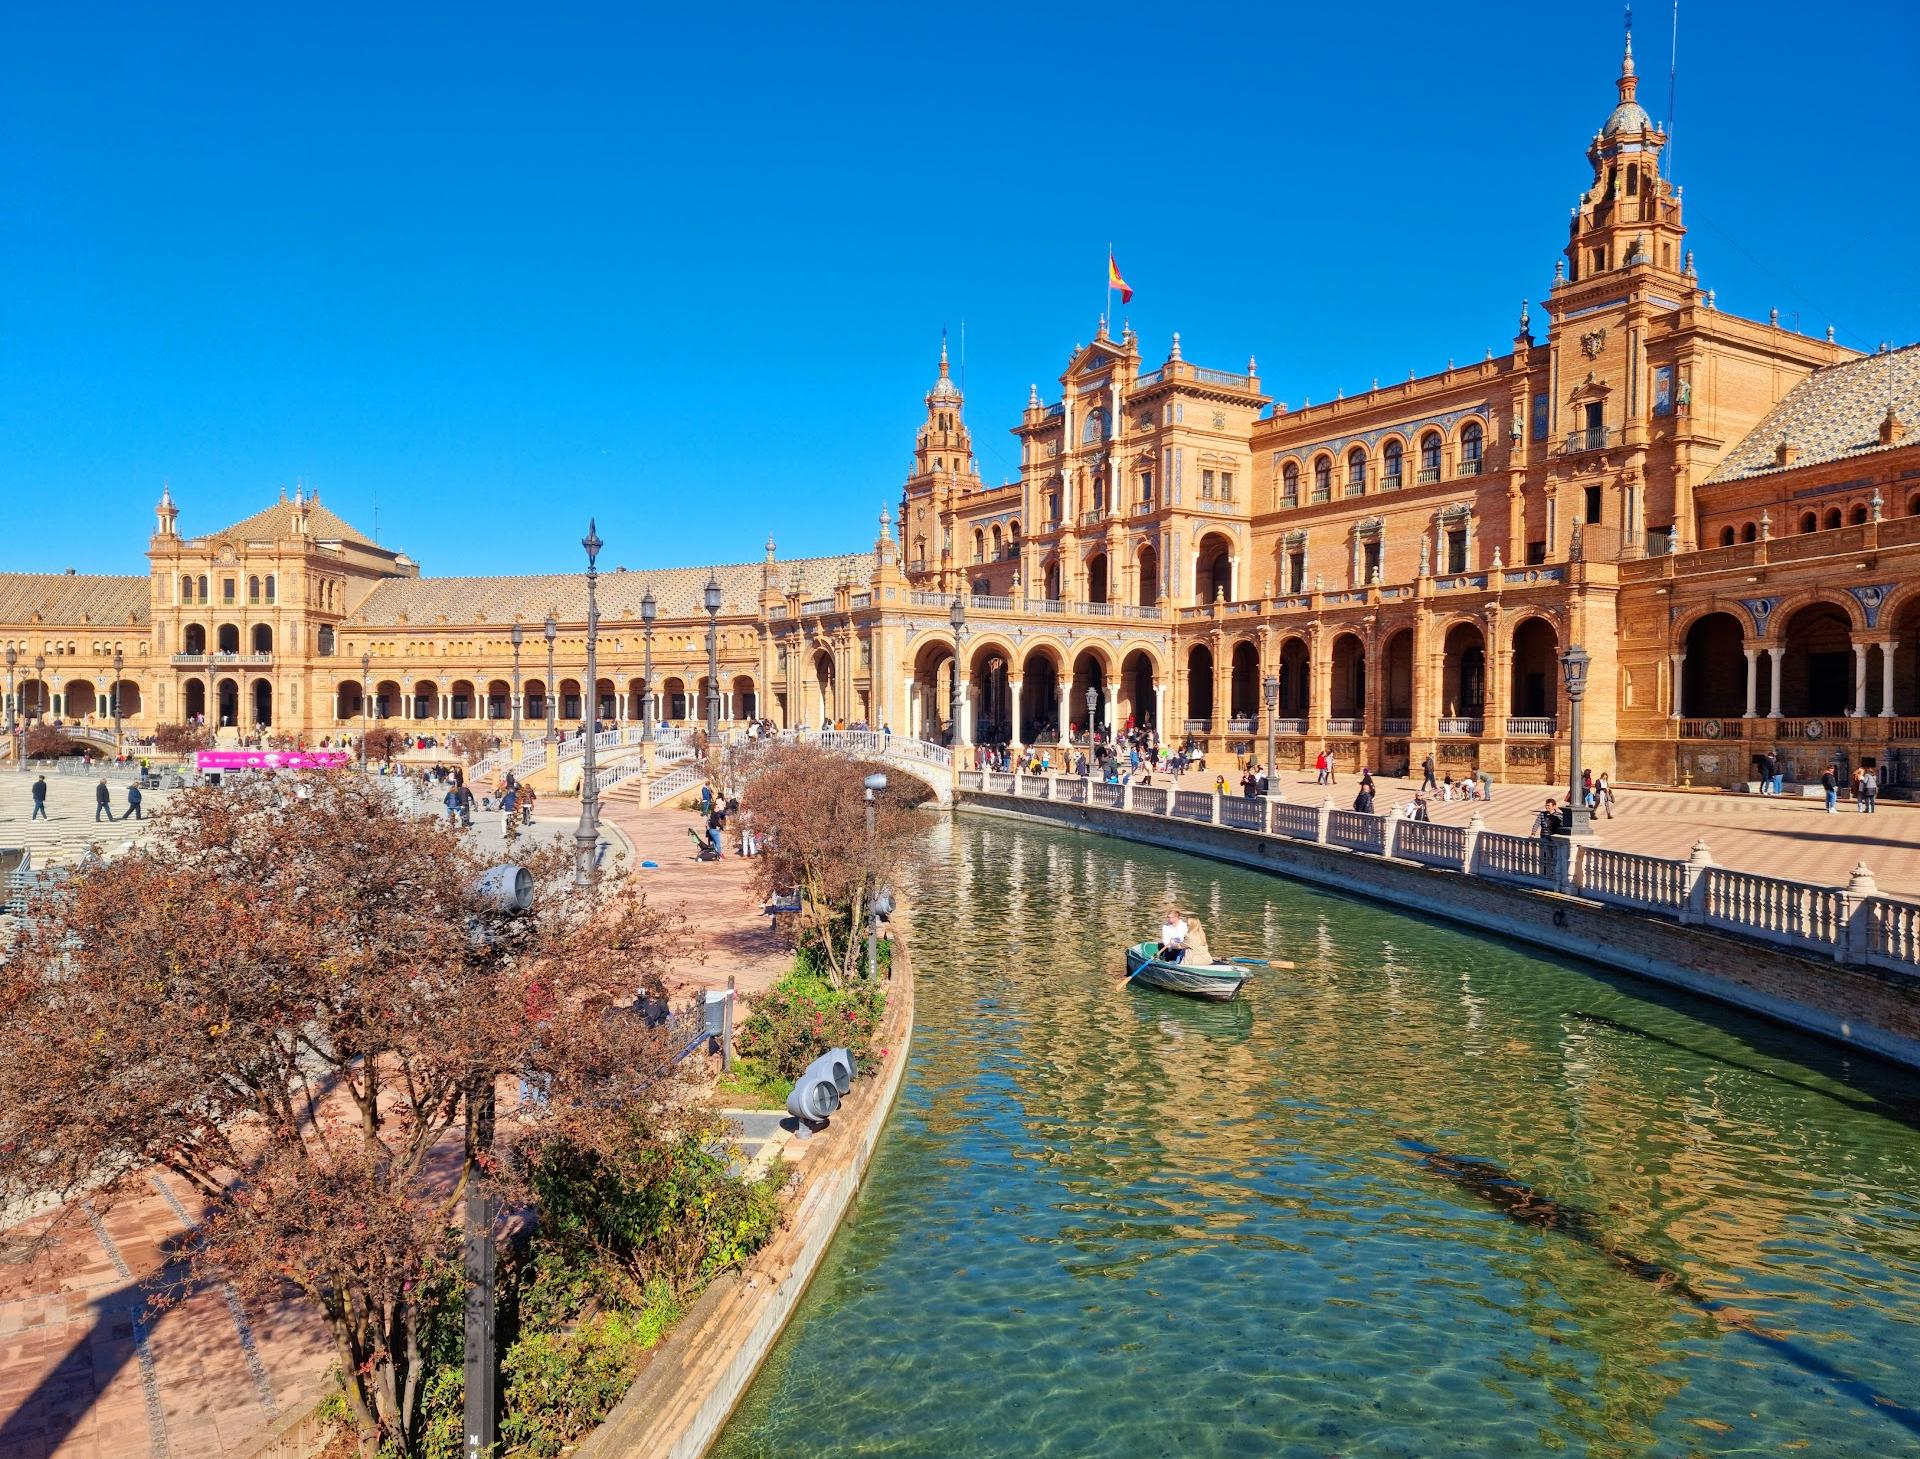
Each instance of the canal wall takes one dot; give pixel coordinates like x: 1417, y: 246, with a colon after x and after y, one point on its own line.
x: 684, y: 1396
x: 1871, y: 1009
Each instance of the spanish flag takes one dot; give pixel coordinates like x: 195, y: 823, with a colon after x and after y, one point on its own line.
x: 1114, y: 281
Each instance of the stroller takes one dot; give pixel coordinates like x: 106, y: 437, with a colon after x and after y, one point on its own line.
x: 707, y: 853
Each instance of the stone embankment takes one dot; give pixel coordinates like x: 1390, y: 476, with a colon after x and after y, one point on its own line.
x: 1841, y: 962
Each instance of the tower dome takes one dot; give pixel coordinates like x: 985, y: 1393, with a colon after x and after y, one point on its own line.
x: 944, y: 391
x: 1629, y: 115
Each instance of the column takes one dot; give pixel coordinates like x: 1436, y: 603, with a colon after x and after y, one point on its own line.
x: 1773, y: 657
x: 963, y: 713
x: 1886, y: 677
x: 1679, y: 662
x: 1113, y: 708
x: 911, y: 702
x: 1753, y: 680
x: 1013, y: 691
x: 1064, y: 690
x: 1222, y: 690
x: 1859, y: 681
x: 1160, y: 708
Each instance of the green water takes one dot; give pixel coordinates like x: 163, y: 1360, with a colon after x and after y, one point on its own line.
x: 1109, y: 1222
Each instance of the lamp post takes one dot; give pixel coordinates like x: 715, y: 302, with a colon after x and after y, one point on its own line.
x: 873, y: 782
x: 553, y: 629
x: 648, y: 610
x: 587, y: 833
x: 1272, y: 688
x: 13, y: 705
x: 1573, y: 663
x: 119, y: 663
x: 40, y: 682
x: 1093, y: 702
x: 518, y: 638
x: 366, y: 668
x: 711, y: 597
x: 957, y: 616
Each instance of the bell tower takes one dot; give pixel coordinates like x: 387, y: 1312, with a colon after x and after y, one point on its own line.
x: 1630, y: 215
x: 943, y: 472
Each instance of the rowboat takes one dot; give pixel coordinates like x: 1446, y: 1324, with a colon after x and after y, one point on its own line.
x: 1216, y: 982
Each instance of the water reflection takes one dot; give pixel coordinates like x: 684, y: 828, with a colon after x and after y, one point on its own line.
x: 1109, y: 1221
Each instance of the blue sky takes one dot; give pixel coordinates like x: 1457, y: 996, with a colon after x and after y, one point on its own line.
x: 499, y: 268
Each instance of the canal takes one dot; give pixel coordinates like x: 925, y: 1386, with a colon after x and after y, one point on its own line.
x: 1427, y: 1193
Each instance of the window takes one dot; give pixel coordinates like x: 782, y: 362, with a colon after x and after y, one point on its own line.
x: 1290, y: 483
x: 1858, y: 515
x: 1369, y: 561
x: 1146, y: 486
x: 1456, y: 549
x: 1472, y: 439
x: 1832, y: 518
x: 1810, y: 522
x: 1322, y: 478
x: 1726, y: 536
x: 1206, y: 486
x: 1390, y: 466
x: 1430, y: 457
x: 325, y: 647
x: 1593, y: 504
x: 1536, y: 553
x: 1226, y: 486
x: 269, y: 587
x: 227, y: 587
x: 1356, y: 472
x: 1633, y: 181
x: 186, y: 589
x: 253, y: 590
x: 1599, y: 260
x: 1749, y: 532
x: 203, y: 589
x: 1297, y: 570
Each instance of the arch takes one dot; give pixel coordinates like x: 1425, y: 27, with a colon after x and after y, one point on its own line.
x: 186, y: 587
x: 997, y: 542
x: 1357, y: 471
x: 746, y: 699
x: 1683, y: 624
x: 228, y: 698
x: 989, y: 686
x: 673, y: 699
x: 1347, y: 688
x: 1200, y: 684
x: 125, y: 695
x: 77, y: 698
x: 822, y: 707
x: 1816, y: 660
x: 1726, y: 536
x: 1040, y: 694
x: 1857, y: 515
x: 1092, y: 669
x: 1750, y: 532
x: 605, y: 697
x: 261, y: 705
x: 1463, y: 677
x: 1903, y: 619
x: 193, y: 639
x: 253, y: 588
x: 1097, y: 578
x: 193, y: 701
x: 1393, y: 452
x: 1832, y: 520
x: 262, y: 638
x: 1535, y: 691
x: 346, y: 700
x: 1396, y: 677
x: 462, y: 701
x: 1050, y: 580
x: 1429, y: 456
x: 1138, y: 706
x: 1147, y: 575
x: 1809, y: 522
x: 1322, y: 477
x: 1290, y: 482
x: 426, y: 699
x: 533, y: 699
x: 227, y: 639
x: 1713, y: 677
x: 1243, y: 681
x: 979, y: 545
x: 572, y: 702
x: 1296, y: 678
x: 386, y: 699
x: 1213, y: 577
x: 499, y: 701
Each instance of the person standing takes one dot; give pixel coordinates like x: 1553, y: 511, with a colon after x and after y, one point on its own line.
x: 1869, y: 792
x: 39, y: 800
x: 1830, y: 783
x: 102, y: 800
x: 1320, y: 768
x: 1603, y: 793
x: 1427, y: 782
x: 133, y: 803
x: 1769, y: 774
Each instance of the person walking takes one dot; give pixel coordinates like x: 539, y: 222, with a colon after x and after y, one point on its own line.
x: 1830, y: 783
x: 102, y: 800
x: 39, y: 800
x: 525, y: 792
x: 1427, y: 782
x: 1363, y: 800
x: 1603, y: 793
x: 1769, y: 773
x: 133, y: 803
x: 1320, y: 768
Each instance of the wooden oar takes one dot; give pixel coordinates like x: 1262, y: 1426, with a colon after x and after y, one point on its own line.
x: 1261, y: 962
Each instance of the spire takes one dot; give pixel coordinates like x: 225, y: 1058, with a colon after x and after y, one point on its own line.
x: 943, y: 354
x: 166, y: 514
x: 1176, y: 346
x: 1628, y: 82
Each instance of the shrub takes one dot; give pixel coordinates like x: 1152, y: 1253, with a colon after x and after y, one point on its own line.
x: 557, y: 1385
x: 802, y: 1016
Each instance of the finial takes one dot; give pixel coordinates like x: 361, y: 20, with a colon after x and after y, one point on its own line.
x: 1773, y: 318
x: 769, y: 547
x: 1102, y: 334
x: 886, y: 517
x: 299, y: 494
x: 1829, y: 334
x: 1689, y: 269
x: 1626, y: 63
x: 1709, y: 298
x: 1033, y: 397
x: 1559, y: 270
x: 1766, y: 525
x: 166, y: 491
x: 1497, y: 563
x: 1176, y: 346
x: 1879, y: 505
x: 1526, y: 318
x: 1253, y: 366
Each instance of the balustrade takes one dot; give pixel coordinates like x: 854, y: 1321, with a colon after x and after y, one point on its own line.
x: 1653, y: 883
x: 1193, y: 805
x: 1461, y: 724
x: 1531, y: 724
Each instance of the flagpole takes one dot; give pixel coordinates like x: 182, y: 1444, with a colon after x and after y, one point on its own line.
x: 1109, y: 277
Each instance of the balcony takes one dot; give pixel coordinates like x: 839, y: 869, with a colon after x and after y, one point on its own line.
x: 1396, y: 726
x: 1141, y: 509
x: 1344, y: 725
x: 1471, y: 466
x: 1092, y: 518
x: 1429, y: 475
x: 1322, y: 494
x: 222, y: 661
x: 1391, y: 481
x: 1291, y: 726
x: 1538, y: 726
x: 1242, y: 724
x: 1461, y: 724
x: 1593, y: 438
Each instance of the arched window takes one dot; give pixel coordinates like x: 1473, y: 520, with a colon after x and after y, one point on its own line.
x: 1633, y: 181
x: 1832, y: 518
x: 1390, y: 463
x: 186, y: 588
x: 1322, y: 478
x: 1913, y: 505
x: 1858, y: 515
x: 1726, y: 536
x: 203, y: 588
x: 1430, y: 457
x: 325, y: 648
x: 253, y: 589
x: 979, y: 545
x: 1290, y: 482
x: 1471, y: 440
x: 1810, y: 522
x: 1749, y: 533
x: 1356, y: 472
x: 1013, y: 537
x: 269, y: 587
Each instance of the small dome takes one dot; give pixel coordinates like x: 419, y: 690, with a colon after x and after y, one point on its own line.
x: 1629, y: 116
x: 944, y: 391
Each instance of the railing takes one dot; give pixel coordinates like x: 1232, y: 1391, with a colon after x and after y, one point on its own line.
x: 1394, y: 725
x: 861, y: 600
x: 1900, y: 728
x: 1854, y: 924
x: 1222, y: 377
x: 667, y: 786
x: 1427, y: 475
x: 1590, y: 438
x: 982, y: 600
x: 998, y: 780
x: 813, y: 607
x: 1151, y: 612
x: 614, y: 774
x: 1831, y: 727
x: 1471, y: 466
x: 1530, y: 724
x: 1292, y: 726
x: 1462, y: 724
x: 1710, y: 729
x: 1092, y: 518
x: 1344, y: 725
x: 221, y: 660
x: 1517, y: 577
x: 1047, y: 605
x: 1152, y: 377
x: 1141, y: 509
x: 1198, y: 726
x: 532, y: 760
x: 1391, y: 481
x: 1242, y: 724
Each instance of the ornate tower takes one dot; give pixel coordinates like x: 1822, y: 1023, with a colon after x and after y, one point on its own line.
x: 943, y: 471
x: 1631, y: 214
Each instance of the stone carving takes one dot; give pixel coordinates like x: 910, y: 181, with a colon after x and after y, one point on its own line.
x: 1592, y: 342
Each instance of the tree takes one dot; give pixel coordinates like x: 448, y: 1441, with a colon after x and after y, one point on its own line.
x: 295, y: 998
x: 809, y: 805
x: 45, y: 742
x: 472, y: 744
x: 180, y: 739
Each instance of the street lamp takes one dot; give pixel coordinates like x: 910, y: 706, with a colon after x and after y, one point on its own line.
x: 1573, y: 664
x: 40, y: 683
x: 13, y: 703
x: 1272, y: 688
x: 553, y: 629
x: 1093, y: 699
x: 873, y: 782
x: 711, y: 597
x: 518, y: 638
x: 587, y: 833
x: 366, y: 668
x: 957, y: 616
x: 648, y: 611
x: 119, y: 663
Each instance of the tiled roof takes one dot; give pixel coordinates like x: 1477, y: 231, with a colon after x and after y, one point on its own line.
x: 1832, y: 414
x: 69, y: 598
x: 276, y: 523
x: 676, y: 593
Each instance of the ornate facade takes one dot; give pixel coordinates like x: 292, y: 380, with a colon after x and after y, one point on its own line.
x: 1724, y: 513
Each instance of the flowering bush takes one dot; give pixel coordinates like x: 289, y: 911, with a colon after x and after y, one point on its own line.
x: 802, y: 1016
